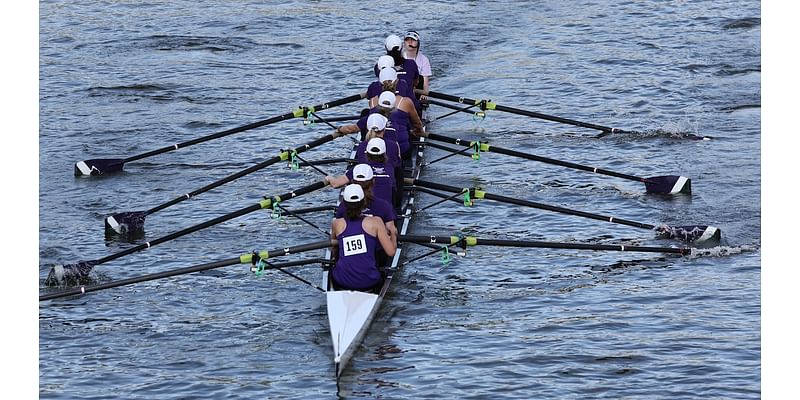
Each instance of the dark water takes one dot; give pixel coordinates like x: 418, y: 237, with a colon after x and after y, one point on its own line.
x: 123, y: 78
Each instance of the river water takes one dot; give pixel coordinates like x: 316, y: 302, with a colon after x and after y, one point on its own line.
x: 119, y: 78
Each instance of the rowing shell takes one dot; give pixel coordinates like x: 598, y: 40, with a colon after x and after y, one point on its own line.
x: 350, y: 313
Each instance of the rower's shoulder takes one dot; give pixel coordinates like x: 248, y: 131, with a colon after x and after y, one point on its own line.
x: 372, y: 223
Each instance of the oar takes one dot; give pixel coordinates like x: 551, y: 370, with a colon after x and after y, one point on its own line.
x: 474, y: 241
x: 490, y: 105
x: 667, y: 184
x: 132, y: 222
x: 250, y: 258
x: 689, y: 233
x: 100, y: 166
x: 70, y: 273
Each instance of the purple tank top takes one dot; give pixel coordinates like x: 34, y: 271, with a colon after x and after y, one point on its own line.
x: 402, y: 88
x: 400, y: 121
x: 355, y: 268
x: 376, y: 208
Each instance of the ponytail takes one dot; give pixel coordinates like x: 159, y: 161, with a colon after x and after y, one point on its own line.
x: 353, y: 210
x: 397, y: 55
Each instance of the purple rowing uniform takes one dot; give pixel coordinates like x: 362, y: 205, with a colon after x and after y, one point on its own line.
x: 384, y: 180
x: 355, y: 268
x: 375, y: 208
x: 400, y: 121
x: 389, y: 132
x: 406, y: 72
x: 402, y: 88
x: 392, y: 151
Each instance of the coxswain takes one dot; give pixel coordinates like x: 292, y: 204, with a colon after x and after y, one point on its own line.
x: 411, y: 51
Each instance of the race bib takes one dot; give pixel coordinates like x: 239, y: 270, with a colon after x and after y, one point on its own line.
x: 353, y: 245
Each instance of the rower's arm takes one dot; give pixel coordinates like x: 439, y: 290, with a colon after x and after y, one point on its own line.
x: 415, y: 121
x: 337, y: 181
x: 377, y: 227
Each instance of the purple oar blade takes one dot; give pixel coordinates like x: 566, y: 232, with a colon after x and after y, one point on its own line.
x: 98, y: 166
x: 70, y: 274
x: 690, y: 233
x: 125, y: 223
x: 670, y: 184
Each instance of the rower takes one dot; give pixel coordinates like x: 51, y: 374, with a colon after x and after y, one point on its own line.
x: 363, y: 175
x: 375, y: 207
x: 379, y: 127
x: 406, y: 69
x: 385, y: 186
x: 405, y: 119
x: 387, y: 74
x: 391, y: 160
x: 356, y: 240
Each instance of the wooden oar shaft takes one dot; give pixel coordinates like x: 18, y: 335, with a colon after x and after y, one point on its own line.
x: 290, y: 115
x: 490, y: 105
x: 474, y: 241
x: 527, y: 203
x: 282, y: 156
x: 244, y: 259
x: 532, y: 157
x: 267, y: 202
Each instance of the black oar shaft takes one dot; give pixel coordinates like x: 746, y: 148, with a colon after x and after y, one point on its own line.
x: 527, y: 203
x: 474, y: 241
x: 139, y: 279
x: 290, y: 115
x: 490, y: 105
x: 210, y: 137
x: 267, y: 202
x: 282, y: 156
x: 532, y: 157
x: 244, y: 259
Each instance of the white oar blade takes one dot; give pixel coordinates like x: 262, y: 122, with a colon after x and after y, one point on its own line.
x: 671, y: 184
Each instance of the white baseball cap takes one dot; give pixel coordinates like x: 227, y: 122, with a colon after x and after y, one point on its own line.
x: 362, y: 173
x: 393, y: 41
x: 385, y: 61
x: 387, y: 74
x: 376, y: 146
x: 353, y: 193
x: 376, y: 122
x: 387, y: 99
